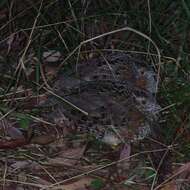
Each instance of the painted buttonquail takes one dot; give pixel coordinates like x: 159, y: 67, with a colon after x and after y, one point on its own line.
x: 117, y: 93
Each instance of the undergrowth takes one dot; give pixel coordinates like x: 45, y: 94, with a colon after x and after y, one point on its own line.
x: 30, y: 28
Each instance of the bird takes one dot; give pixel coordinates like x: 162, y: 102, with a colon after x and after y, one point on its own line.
x: 112, y: 97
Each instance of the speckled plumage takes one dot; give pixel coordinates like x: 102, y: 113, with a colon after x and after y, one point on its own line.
x: 118, y: 93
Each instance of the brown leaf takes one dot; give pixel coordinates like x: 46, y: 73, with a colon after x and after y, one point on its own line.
x: 181, y: 173
x: 42, y: 140
x: 81, y: 184
x: 69, y: 157
x: 170, y: 186
x: 12, y: 143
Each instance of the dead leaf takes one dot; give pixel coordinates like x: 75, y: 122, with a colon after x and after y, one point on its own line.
x: 81, y: 184
x: 125, y: 152
x: 182, y: 173
x: 9, y: 187
x: 69, y: 157
x: 14, y: 133
x: 42, y: 139
x: 12, y: 143
x: 8, y: 129
x: 20, y: 164
x: 170, y: 186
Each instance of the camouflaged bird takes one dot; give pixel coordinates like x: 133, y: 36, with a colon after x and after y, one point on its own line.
x: 111, y: 97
